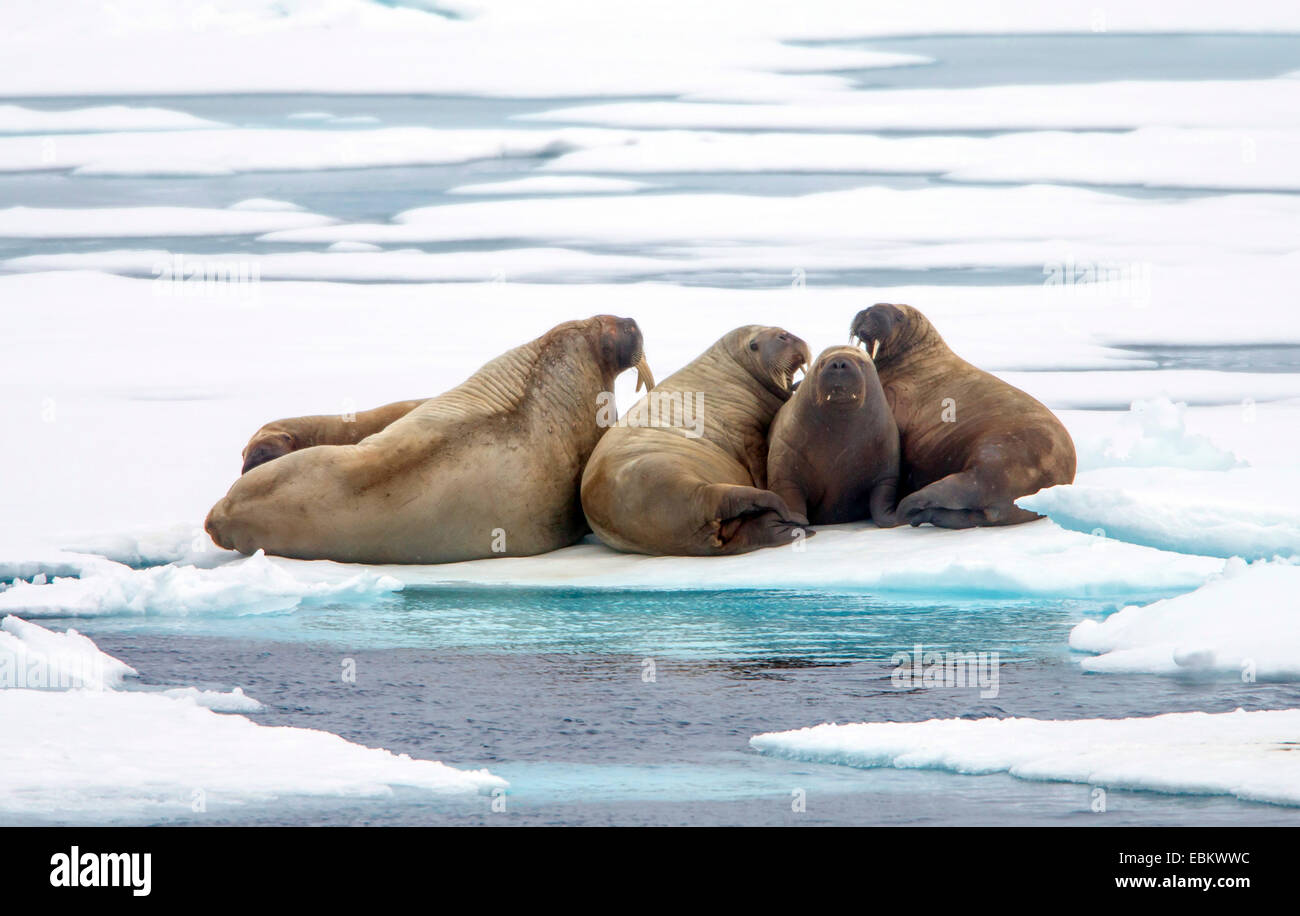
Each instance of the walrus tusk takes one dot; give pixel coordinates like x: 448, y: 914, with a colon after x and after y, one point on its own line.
x: 643, y: 374
x: 875, y: 348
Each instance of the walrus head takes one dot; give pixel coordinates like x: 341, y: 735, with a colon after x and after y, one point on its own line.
x: 839, y: 377
x: 622, y: 347
x: 266, y: 445
x: 772, y: 355
x: 887, y: 332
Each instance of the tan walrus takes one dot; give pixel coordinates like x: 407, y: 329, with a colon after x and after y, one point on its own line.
x: 972, y: 444
x: 280, y: 437
x: 684, y: 473
x: 832, y: 452
x: 489, y: 468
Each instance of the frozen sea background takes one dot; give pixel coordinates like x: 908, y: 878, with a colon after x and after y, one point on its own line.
x: 542, y: 680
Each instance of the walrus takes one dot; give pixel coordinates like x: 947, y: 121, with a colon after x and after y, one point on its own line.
x: 694, y: 483
x: 832, y: 453
x: 972, y: 444
x: 489, y: 468
x: 280, y: 437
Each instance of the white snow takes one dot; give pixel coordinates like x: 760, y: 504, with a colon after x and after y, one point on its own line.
x: 1249, y: 755
x: 254, y: 585
x: 553, y: 184
x: 1244, y: 621
x: 126, y: 222
x: 16, y: 119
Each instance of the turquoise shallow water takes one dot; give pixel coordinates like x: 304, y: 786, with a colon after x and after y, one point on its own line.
x: 825, y: 626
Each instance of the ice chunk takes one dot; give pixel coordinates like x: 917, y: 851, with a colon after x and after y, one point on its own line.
x: 1249, y: 755
x: 234, y: 701
x: 1243, y: 622
x: 1245, y: 512
x: 32, y: 657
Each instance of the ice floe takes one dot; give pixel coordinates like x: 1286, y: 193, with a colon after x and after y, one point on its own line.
x: 1249, y: 755
x: 16, y: 119
x: 254, y: 585
x: 1159, y: 157
x: 1244, y: 622
x: 227, y: 151
x: 75, y: 745
x: 126, y: 222
x: 34, y: 658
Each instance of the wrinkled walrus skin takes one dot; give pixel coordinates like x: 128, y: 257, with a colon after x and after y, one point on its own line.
x: 833, y: 450
x: 280, y: 437
x: 671, y: 490
x: 972, y: 444
x: 489, y: 468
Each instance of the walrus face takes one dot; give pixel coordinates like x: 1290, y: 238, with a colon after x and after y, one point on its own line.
x: 773, y: 356
x: 265, y: 447
x: 839, y: 377
x: 622, y: 347
x: 888, y: 331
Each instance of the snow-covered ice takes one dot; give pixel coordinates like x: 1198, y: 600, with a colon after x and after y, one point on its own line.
x: 252, y: 585
x: 227, y: 151
x: 32, y: 657
x: 1249, y: 755
x: 126, y: 222
x: 16, y: 119
x: 1244, y: 622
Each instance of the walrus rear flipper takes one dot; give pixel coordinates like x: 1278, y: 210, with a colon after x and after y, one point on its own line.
x: 747, y: 518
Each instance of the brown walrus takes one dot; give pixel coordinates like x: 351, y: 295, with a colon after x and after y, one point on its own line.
x: 972, y: 444
x: 692, y: 483
x: 489, y: 468
x: 280, y: 437
x: 832, y: 453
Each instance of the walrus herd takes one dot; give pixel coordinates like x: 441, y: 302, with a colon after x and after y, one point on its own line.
x: 727, y: 455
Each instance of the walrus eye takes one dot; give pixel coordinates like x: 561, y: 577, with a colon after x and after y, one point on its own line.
x: 753, y: 345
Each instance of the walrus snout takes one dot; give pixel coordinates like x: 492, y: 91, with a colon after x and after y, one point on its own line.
x: 882, y: 327
x: 781, y: 355
x: 624, y: 337
x: 841, y: 374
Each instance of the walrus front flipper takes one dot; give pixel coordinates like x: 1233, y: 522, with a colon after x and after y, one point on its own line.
x: 747, y: 518
x: 884, y: 510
